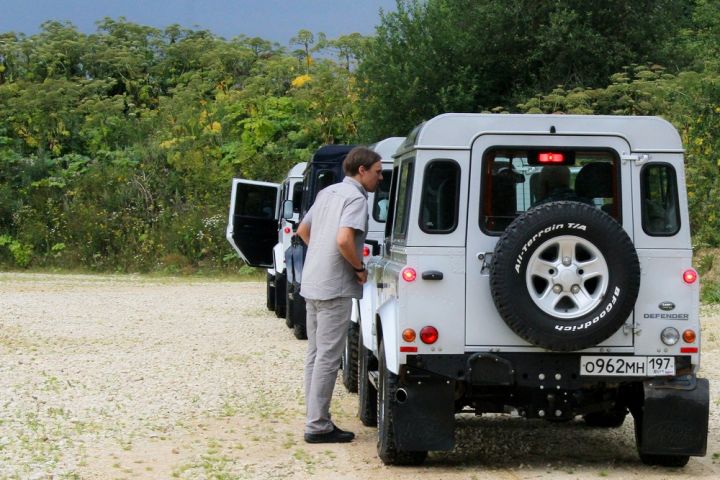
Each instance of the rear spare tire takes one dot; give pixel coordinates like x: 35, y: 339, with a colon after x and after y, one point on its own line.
x: 564, y: 276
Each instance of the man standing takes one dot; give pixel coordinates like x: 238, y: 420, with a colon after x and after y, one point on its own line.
x: 334, y: 229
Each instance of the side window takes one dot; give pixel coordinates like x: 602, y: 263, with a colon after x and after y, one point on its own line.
x: 440, y: 193
x: 404, y: 194
x: 382, y: 200
x: 297, y: 196
x: 391, y: 203
x: 324, y: 179
x: 660, y: 212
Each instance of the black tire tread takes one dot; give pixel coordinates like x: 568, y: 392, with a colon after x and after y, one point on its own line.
x: 280, y: 296
x: 367, y: 394
x: 270, y: 293
x: 350, y: 359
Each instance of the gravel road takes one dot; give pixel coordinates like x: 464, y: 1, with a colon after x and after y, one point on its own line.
x: 133, y: 377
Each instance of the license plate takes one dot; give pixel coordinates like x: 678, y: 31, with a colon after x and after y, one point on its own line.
x: 608, y: 366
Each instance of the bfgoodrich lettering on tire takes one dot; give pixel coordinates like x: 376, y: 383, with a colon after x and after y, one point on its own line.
x: 564, y: 276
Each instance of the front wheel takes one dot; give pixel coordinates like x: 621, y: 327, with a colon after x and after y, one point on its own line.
x: 350, y: 359
x: 386, y: 446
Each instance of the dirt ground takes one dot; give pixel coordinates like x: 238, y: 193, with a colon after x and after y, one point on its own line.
x: 131, y: 377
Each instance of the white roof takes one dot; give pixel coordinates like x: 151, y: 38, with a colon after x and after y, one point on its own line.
x: 387, y: 148
x: 459, y: 130
x: 297, y: 170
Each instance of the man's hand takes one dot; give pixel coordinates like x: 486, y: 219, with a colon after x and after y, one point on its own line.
x: 346, y: 246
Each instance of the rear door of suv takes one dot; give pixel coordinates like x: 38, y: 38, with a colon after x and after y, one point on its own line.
x: 493, y: 204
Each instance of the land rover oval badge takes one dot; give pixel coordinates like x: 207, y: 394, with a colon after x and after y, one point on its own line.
x: 666, y: 306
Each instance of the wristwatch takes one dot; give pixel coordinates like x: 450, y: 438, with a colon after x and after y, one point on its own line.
x: 361, y: 269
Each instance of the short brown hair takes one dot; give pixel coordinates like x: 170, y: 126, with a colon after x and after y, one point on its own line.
x: 357, y: 157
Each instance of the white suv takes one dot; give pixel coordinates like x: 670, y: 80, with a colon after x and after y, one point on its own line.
x: 538, y: 265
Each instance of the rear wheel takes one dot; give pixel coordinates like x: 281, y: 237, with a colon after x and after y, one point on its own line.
x: 299, y: 331
x: 367, y: 395
x: 298, y: 317
x: 270, y: 286
x: 280, y: 296
x: 386, y: 446
x: 350, y: 359
x: 288, y: 305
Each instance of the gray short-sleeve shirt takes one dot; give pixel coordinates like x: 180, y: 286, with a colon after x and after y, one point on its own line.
x: 326, y: 274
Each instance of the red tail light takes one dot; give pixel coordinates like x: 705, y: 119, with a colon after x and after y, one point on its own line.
x: 408, y: 274
x: 690, y: 276
x: 429, y: 335
x: 287, y: 230
x: 366, y: 251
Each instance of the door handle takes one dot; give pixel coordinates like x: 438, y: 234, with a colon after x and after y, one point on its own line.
x: 432, y: 275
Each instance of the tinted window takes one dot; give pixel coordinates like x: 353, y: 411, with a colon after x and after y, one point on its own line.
x: 660, y: 212
x: 297, y: 196
x: 403, y: 200
x: 439, y: 204
x: 255, y: 201
x: 382, y: 200
x: 515, y: 180
x: 391, y: 211
x: 324, y: 179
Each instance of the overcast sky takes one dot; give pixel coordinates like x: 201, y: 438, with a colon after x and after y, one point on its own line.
x: 275, y: 20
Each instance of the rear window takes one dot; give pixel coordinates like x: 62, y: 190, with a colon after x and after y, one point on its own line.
x: 515, y: 180
x: 660, y: 212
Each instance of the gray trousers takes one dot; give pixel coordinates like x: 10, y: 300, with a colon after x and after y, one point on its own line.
x: 327, y: 325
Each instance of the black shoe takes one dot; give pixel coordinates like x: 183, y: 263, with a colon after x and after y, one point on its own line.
x: 333, y: 436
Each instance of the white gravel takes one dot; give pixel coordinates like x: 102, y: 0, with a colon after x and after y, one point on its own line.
x: 133, y: 377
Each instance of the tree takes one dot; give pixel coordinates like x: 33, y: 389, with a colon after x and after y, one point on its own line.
x: 473, y: 55
x: 305, y: 39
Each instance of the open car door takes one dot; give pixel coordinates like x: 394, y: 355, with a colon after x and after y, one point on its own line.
x: 253, y: 222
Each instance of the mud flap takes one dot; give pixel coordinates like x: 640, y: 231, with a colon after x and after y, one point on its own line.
x: 424, y: 415
x: 675, y: 417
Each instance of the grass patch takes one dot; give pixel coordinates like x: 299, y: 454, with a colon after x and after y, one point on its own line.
x: 710, y: 292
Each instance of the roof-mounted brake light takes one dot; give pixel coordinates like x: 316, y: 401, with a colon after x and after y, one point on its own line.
x: 551, y: 157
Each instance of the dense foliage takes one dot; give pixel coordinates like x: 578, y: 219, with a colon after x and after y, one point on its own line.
x: 474, y: 55
x: 117, y: 148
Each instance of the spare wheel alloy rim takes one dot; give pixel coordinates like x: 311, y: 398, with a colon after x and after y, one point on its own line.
x: 567, y: 277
